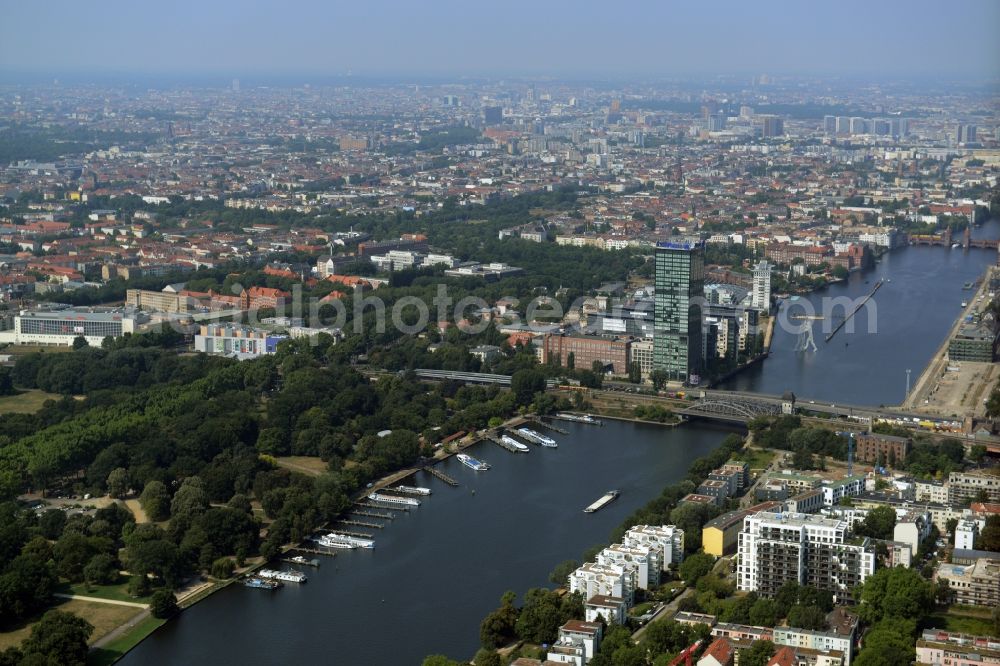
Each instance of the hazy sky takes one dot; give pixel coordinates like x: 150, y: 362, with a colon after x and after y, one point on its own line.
x: 580, y: 38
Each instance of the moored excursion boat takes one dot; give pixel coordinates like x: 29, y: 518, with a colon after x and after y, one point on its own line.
x: 582, y: 418
x: 412, y: 490
x: 352, y: 541
x: 284, y: 576
x: 261, y: 584
x: 471, y: 462
x: 328, y: 542
x: 512, y: 444
x: 394, y: 499
x: 536, y: 436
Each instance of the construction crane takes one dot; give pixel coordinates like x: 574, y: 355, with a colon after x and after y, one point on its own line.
x: 686, y: 655
x: 850, y: 456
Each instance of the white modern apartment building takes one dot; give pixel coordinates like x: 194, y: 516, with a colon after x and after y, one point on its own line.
x: 880, y: 238
x: 761, y: 296
x: 610, y: 609
x: 641, y: 565
x: 668, y: 540
x: 577, y: 644
x: 966, y: 487
x: 931, y: 491
x: 965, y: 534
x: 912, y: 527
x: 833, y: 492
x: 808, y: 549
x: 607, y: 580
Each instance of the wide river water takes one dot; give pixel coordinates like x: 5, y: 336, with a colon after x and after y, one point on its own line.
x: 436, y: 571
x: 911, y: 315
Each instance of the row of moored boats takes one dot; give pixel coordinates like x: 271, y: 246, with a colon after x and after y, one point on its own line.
x: 512, y: 444
x: 271, y: 579
x: 406, y: 498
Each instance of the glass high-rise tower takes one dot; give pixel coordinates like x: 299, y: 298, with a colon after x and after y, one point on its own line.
x: 680, y: 285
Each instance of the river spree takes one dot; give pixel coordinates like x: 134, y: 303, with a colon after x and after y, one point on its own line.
x: 912, y: 313
x: 435, y: 572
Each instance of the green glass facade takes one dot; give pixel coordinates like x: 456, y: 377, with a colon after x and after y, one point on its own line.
x: 680, y: 286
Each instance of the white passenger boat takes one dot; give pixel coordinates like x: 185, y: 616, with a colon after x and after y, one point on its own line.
x: 469, y: 461
x: 536, y: 436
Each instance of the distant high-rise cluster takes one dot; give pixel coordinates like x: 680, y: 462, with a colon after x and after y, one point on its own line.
x: 966, y: 134
x: 770, y: 126
x: 493, y: 115
x: 852, y: 125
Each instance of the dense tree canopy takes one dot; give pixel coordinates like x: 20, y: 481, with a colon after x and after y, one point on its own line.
x: 878, y: 524
x: 896, y: 592
x: 59, y: 638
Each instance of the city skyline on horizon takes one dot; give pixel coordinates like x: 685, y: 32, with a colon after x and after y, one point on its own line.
x: 558, y: 40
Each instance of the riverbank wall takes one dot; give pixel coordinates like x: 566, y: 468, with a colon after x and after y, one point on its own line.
x: 939, y: 361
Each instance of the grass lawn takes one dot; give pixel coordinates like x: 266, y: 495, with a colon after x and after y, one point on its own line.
x: 759, y: 458
x: 640, y: 609
x: 14, y: 637
x: 116, y: 592
x: 309, y: 465
x: 26, y: 402
x: 104, y: 617
x: 964, y: 624
x: 114, y: 650
x: 673, y: 585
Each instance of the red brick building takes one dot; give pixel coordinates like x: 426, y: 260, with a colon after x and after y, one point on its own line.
x: 261, y: 297
x: 870, y: 446
x: 586, y: 349
x: 786, y: 253
x: 857, y: 256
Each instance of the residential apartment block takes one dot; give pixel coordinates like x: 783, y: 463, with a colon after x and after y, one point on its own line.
x: 835, y: 491
x: 931, y: 491
x: 642, y: 565
x: 592, y: 579
x: 577, y: 643
x: 976, y: 584
x: 839, y: 638
x: 776, y: 548
x: 943, y: 648
x: 667, y: 540
x: 965, y: 487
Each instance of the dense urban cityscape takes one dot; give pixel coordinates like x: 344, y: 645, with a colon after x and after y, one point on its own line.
x: 604, y: 370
